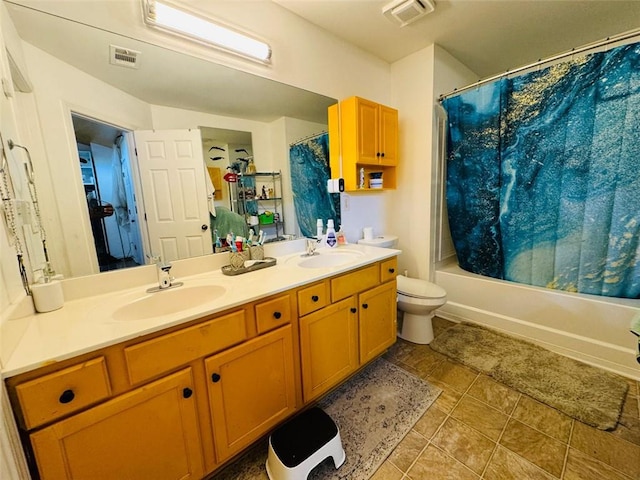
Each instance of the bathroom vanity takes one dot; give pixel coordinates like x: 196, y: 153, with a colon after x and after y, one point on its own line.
x: 180, y: 394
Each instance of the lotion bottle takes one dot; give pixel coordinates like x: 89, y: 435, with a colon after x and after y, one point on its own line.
x: 332, y: 240
x: 319, y: 228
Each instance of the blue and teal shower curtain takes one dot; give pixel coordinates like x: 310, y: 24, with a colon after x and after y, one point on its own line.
x: 543, y: 176
x: 309, y: 164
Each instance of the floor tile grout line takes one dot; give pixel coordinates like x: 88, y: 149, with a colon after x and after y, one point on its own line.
x: 566, y: 454
x: 509, y: 416
x: 447, y: 415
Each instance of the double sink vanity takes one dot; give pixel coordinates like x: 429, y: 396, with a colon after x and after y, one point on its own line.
x: 175, y: 384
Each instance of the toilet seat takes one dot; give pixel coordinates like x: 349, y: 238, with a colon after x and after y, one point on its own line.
x: 417, y: 288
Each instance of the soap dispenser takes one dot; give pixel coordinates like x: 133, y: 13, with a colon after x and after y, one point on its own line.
x: 332, y: 240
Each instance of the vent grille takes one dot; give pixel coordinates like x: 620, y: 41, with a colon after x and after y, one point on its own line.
x: 123, y: 57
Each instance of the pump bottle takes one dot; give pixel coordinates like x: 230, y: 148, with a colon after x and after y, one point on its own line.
x: 332, y: 240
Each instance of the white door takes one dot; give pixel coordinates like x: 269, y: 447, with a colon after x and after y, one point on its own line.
x: 173, y: 189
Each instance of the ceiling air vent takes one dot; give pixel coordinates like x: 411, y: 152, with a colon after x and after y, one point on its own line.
x: 123, y: 57
x: 403, y: 12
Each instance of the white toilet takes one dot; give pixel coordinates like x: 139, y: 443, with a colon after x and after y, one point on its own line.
x: 417, y: 299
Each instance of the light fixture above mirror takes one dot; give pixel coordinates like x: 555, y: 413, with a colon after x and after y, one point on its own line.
x: 189, y: 24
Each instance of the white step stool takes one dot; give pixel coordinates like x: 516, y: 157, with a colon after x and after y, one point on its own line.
x: 301, y: 444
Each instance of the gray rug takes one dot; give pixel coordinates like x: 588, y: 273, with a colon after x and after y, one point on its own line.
x: 374, y: 410
x: 588, y: 394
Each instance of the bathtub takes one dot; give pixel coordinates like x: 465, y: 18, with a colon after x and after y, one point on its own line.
x: 589, y: 328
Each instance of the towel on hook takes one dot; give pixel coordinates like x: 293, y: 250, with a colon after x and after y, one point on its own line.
x: 211, y: 190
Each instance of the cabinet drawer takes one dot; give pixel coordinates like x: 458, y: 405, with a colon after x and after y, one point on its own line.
x: 312, y: 298
x: 52, y: 396
x: 273, y: 313
x: 153, y: 357
x: 351, y: 283
x: 388, y: 269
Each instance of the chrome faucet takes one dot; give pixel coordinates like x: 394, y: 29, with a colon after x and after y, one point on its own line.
x: 310, y: 247
x: 165, y: 280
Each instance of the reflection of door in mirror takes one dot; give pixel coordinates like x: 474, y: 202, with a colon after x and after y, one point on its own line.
x: 174, y: 191
x: 108, y: 185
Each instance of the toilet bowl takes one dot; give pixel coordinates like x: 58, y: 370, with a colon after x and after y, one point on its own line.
x: 418, y: 301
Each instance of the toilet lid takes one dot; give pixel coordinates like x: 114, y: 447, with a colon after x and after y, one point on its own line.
x: 415, y: 287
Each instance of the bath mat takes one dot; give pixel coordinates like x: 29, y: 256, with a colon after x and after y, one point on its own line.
x: 374, y: 410
x: 588, y: 394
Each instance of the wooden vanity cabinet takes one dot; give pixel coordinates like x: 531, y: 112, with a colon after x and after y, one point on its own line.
x: 328, y: 347
x: 149, y: 432
x: 251, y: 390
x: 363, y: 135
x: 356, y: 327
x: 179, y: 403
x: 377, y: 320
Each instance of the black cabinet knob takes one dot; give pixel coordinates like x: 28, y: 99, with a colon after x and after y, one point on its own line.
x: 215, y: 378
x: 391, y: 270
x: 315, y: 298
x: 354, y: 309
x: 365, y: 305
x: 187, y: 392
x: 67, y: 396
x: 277, y: 315
x: 382, y: 154
x: 377, y: 154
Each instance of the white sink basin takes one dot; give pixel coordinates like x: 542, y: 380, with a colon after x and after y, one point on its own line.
x: 326, y: 258
x: 166, y: 302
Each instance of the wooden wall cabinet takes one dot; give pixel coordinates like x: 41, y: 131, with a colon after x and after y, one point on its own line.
x: 364, y: 135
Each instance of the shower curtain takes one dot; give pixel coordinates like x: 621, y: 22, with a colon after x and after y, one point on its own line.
x: 309, y: 163
x: 543, y: 176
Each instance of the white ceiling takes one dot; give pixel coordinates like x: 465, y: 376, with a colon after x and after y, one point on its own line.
x: 488, y: 36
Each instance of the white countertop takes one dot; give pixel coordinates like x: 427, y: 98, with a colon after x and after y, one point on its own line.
x: 87, y: 323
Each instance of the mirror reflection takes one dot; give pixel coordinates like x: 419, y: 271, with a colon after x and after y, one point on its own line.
x: 101, y: 221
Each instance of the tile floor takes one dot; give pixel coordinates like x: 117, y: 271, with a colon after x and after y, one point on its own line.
x: 480, y: 429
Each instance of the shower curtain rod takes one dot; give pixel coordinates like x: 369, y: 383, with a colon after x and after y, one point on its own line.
x: 308, y: 137
x: 573, y: 51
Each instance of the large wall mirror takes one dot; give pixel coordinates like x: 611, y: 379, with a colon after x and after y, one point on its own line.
x: 86, y: 104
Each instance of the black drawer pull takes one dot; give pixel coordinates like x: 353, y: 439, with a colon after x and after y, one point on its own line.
x: 354, y: 309
x: 392, y: 270
x: 277, y: 315
x: 215, y: 378
x: 187, y: 392
x: 365, y: 305
x: 67, y: 396
x: 315, y: 298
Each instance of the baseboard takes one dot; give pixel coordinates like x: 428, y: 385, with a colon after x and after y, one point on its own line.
x: 605, y: 355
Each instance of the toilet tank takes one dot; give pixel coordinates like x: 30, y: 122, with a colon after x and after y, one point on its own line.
x: 381, y: 241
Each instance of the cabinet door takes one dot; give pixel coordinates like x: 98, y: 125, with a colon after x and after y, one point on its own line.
x: 378, y: 317
x: 151, y: 432
x: 368, y: 131
x: 251, y: 389
x: 328, y: 347
x: 388, y: 136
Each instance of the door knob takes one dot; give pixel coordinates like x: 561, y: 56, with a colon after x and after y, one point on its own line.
x: 204, y: 227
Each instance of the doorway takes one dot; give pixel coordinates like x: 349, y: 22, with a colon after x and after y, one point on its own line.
x: 106, y: 169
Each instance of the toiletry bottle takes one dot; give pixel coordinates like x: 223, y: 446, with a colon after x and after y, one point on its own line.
x: 319, y: 228
x: 332, y: 241
x: 342, y: 240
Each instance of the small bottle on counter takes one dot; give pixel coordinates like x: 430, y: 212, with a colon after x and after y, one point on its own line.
x: 332, y: 240
x: 319, y: 228
x: 342, y: 239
